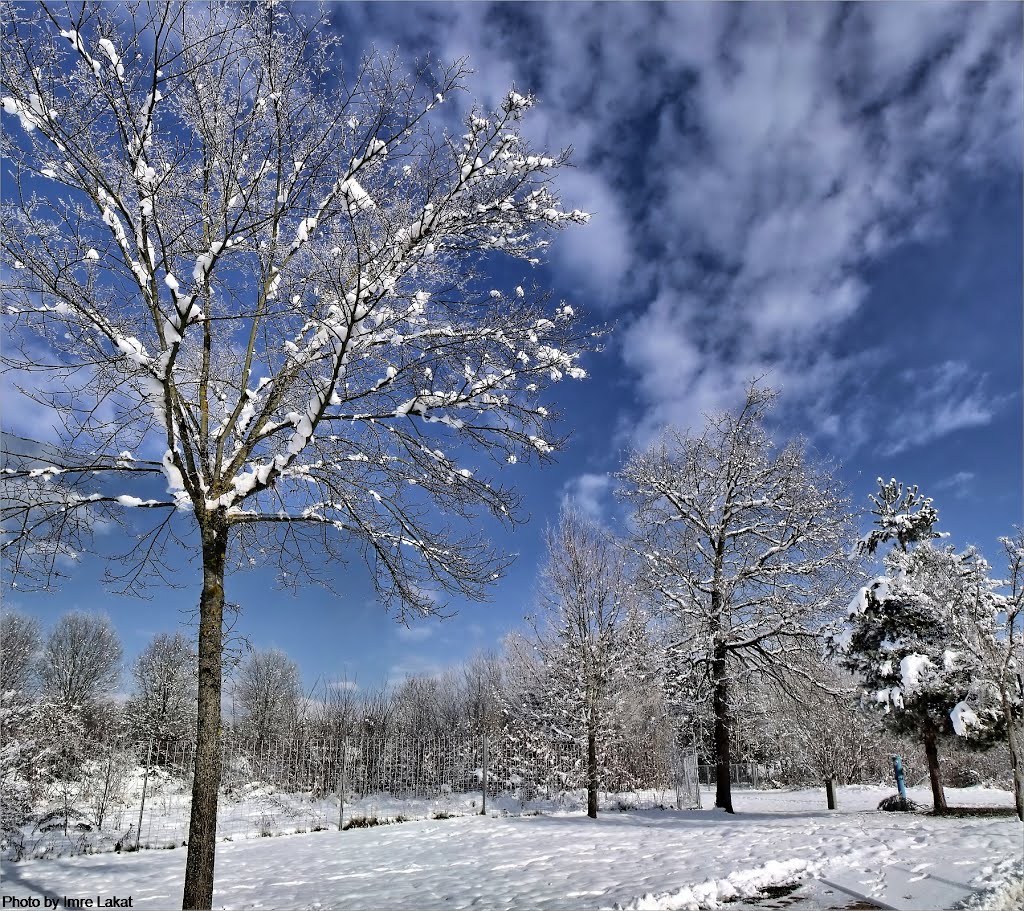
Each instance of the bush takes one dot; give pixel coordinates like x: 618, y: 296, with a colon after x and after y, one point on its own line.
x: 361, y: 822
x: 896, y: 804
x: 965, y: 778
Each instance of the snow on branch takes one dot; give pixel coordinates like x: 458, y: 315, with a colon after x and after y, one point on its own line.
x: 288, y: 293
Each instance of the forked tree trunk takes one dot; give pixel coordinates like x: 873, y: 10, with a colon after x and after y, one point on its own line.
x: 592, y: 773
x: 723, y: 784
x: 202, y: 828
x: 931, y: 752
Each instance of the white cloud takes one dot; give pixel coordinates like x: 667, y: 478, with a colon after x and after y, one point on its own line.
x: 590, y: 494
x: 787, y: 176
x: 414, y: 633
x: 939, y: 401
x: 959, y: 483
x: 598, y: 255
x: 415, y: 666
x: 746, y: 163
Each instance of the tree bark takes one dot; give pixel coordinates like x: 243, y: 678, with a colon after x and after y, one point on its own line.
x: 202, y: 829
x: 592, y: 774
x: 723, y: 783
x: 1015, y: 742
x: 931, y: 752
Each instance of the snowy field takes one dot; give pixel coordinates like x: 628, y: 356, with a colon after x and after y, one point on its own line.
x: 658, y: 859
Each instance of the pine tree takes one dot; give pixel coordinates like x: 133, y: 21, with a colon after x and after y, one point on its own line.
x: 907, y: 628
x: 900, y: 515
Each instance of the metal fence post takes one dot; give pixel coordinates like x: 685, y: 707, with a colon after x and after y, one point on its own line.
x: 897, y: 767
x: 696, y: 774
x: 341, y: 784
x: 145, y: 781
x: 483, y: 807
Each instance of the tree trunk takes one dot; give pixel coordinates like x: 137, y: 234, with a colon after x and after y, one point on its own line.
x: 592, y: 773
x: 202, y: 829
x: 1015, y: 741
x: 723, y: 783
x: 931, y: 751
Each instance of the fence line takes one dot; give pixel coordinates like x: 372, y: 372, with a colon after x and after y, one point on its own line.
x: 741, y: 774
x: 131, y: 794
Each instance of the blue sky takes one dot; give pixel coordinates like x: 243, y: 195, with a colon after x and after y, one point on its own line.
x: 826, y: 195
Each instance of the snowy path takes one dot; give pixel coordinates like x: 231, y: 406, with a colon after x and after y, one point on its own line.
x: 655, y: 859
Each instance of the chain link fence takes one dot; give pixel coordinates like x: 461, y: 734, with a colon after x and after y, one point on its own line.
x: 130, y: 794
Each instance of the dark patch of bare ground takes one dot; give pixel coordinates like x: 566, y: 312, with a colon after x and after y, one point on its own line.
x: 779, y: 891
x: 975, y: 811
x: 783, y: 897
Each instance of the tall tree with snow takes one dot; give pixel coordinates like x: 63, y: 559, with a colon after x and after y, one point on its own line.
x: 990, y: 633
x: 586, y: 635
x: 80, y: 661
x: 20, y: 641
x: 907, y: 630
x: 1005, y: 663
x: 268, y: 692
x: 253, y: 288
x: 901, y: 516
x: 163, y: 704
x: 744, y: 544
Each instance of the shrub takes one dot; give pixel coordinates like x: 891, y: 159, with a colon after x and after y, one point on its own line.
x: 361, y: 822
x: 896, y: 804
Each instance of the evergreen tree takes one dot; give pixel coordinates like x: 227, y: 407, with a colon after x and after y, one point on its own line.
x: 907, y: 629
x: 903, y: 516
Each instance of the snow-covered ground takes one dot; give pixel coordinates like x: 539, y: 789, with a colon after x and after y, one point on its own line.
x: 639, y: 859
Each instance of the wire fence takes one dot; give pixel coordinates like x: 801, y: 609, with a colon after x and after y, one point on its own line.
x: 741, y: 774
x: 130, y: 794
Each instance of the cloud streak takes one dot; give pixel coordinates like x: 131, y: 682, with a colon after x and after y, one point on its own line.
x: 747, y: 164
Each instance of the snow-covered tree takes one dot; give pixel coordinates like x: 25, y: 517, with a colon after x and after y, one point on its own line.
x: 812, y: 729
x: 744, y: 544
x: 253, y: 289
x: 421, y: 704
x: 482, y: 686
x: 23, y: 759
x: 903, y: 516
x: 164, y: 702
x: 1005, y: 663
x: 20, y: 639
x: 908, y: 630
x: 268, y: 691
x: 80, y: 660
x: 990, y: 634
x: 585, y: 635
x: 333, y: 709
